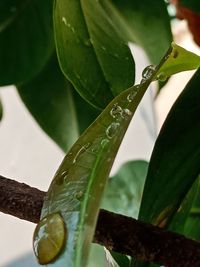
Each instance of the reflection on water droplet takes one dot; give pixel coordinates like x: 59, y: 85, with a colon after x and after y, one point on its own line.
x: 112, y: 129
x: 79, y: 195
x: 133, y: 93
x: 64, y: 20
x: 116, y: 110
x: 81, y: 151
x: 104, y: 142
x: 162, y: 77
x: 126, y: 113
x: 49, y: 238
x: 147, y: 72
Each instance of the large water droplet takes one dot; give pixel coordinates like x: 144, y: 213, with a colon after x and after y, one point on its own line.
x: 116, y: 110
x: 126, y: 113
x: 147, y: 72
x: 112, y: 129
x: 49, y: 238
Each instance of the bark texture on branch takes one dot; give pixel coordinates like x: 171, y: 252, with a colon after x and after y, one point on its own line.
x: 116, y: 232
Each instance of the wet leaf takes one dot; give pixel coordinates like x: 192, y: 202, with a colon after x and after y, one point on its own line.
x: 78, y: 57
x: 26, y: 39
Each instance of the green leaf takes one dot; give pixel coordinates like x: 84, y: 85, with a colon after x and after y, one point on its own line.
x: 26, y: 39
x: 124, y: 191
x: 49, y: 99
x: 179, y: 59
x: 144, y: 22
x: 78, y: 58
x: 123, y: 195
x: 77, y: 187
x: 174, y: 164
x: 112, y: 52
x: 192, y: 224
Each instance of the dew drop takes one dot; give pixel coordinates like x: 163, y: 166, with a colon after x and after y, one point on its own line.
x: 162, y: 77
x: 104, y: 142
x: 49, y: 238
x: 126, y: 113
x: 79, y: 195
x: 148, y: 71
x: 133, y: 93
x: 103, y: 48
x: 64, y: 20
x: 116, y: 110
x: 175, y: 53
x: 112, y: 129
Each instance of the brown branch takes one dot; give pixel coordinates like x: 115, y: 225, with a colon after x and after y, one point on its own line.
x: 116, y: 232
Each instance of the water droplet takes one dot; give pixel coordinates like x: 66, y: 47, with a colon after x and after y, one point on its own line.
x: 81, y: 151
x: 133, y: 93
x: 126, y: 112
x: 104, y: 142
x: 116, y: 55
x: 79, y: 195
x: 116, y: 110
x: 103, y: 48
x: 49, y: 238
x: 60, y: 179
x: 64, y: 20
x: 162, y: 77
x: 112, y: 129
x: 147, y: 72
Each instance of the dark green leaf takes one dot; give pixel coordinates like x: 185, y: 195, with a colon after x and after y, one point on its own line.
x: 143, y: 22
x: 174, y: 164
x: 124, y: 191
x: 26, y: 39
x: 49, y: 99
x: 77, y: 57
x: 112, y: 52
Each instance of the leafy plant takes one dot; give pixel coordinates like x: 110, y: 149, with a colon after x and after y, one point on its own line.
x: 80, y: 89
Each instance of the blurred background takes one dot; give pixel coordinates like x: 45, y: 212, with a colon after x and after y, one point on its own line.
x: 29, y: 155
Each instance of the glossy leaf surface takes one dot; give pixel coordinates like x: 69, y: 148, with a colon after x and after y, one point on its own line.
x: 143, y: 22
x: 124, y: 191
x: 78, y: 58
x: 49, y: 99
x: 26, y: 39
x: 179, y: 59
x: 174, y: 164
x: 112, y: 52
x: 78, y: 185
